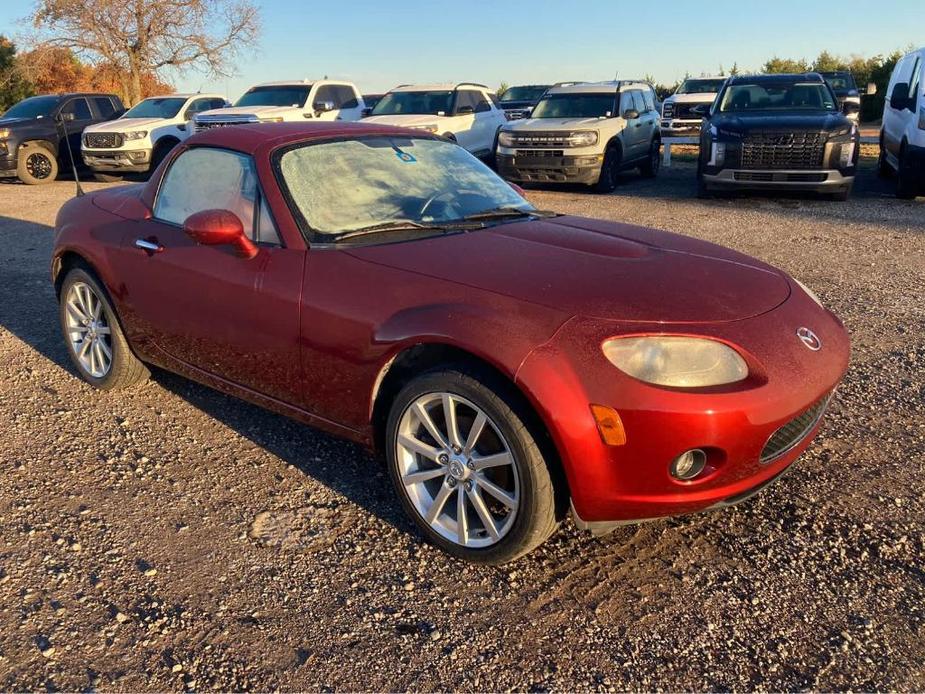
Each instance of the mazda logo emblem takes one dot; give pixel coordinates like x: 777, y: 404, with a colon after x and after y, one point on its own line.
x: 809, y: 338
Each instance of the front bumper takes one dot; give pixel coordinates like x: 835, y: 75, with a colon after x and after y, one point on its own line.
x: 680, y: 126
x: 117, y: 160
x: 733, y: 424
x: 821, y: 181
x: 550, y: 168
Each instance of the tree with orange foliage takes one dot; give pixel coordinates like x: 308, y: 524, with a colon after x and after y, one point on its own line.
x: 146, y: 39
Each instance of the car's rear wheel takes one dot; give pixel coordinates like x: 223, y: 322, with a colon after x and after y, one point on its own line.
x: 94, y: 338
x: 467, y: 469
x: 37, y: 165
x: 610, y: 167
x: 649, y: 168
x: 884, y: 170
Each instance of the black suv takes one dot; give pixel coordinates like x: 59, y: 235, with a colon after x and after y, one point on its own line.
x: 32, y: 144
x: 778, y: 132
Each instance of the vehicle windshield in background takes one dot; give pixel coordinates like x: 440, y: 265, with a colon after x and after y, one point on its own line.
x: 841, y: 83
x: 295, y: 95
x: 340, y: 187
x: 522, y: 94
x: 700, y: 86
x: 414, y: 103
x: 777, y: 96
x: 156, y: 108
x: 33, y: 107
x: 575, y: 105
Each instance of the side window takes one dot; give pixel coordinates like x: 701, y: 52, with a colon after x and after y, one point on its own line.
x: 198, y: 106
x: 215, y: 103
x: 347, y: 97
x: 483, y: 105
x: 266, y: 227
x: 649, y: 100
x: 915, y: 83
x: 205, y: 178
x: 79, y: 108
x: 327, y: 93
x: 494, y: 99
x: 104, y: 106
x: 467, y: 99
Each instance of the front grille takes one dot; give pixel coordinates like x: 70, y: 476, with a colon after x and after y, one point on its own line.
x: 540, y: 153
x: 683, y: 112
x: 540, y: 139
x: 769, y: 176
x: 783, y: 151
x: 793, y: 432
x: 103, y: 140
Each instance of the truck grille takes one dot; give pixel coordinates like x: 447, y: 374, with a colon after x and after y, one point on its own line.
x: 103, y: 140
x: 783, y: 151
x: 793, y: 432
x: 552, y: 139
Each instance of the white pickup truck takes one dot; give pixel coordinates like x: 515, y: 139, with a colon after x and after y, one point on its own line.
x: 137, y: 141
x: 678, y: 116
x: 275, y: 102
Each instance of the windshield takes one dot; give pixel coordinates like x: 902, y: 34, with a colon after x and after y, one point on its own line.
x: 777, y: 96
x: 841, y: 83
x: 339, y: 187
x: 156, y: 108
x: 575, y: 105
x: 34, y: 107
x: 523, y: 94
x: 295, y: 95
x: 420, y: 103
x: 700, y: 86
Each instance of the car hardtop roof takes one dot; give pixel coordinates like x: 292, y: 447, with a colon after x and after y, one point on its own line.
x: 68, y: 95
x: 299, y: 83
x: 834, y: 72
x: 440, y: 87
x: 706, y: 77
x: 598, y: 87
x: 777, y: 77
x: 188, y: 95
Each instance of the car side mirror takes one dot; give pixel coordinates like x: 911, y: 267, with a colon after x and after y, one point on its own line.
x: 702, y: 110
x: 219, y: 228
x: 68, y: 117
x: 899, y: 99
x: 630, y: 114
x: 850, y: 108
x: 367, y: 112
x: 464, y: 110
x: 323, y: 106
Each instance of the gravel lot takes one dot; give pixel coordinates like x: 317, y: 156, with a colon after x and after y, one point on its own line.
x: 172, y: 538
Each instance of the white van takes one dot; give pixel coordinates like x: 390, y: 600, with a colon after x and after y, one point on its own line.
x: 902, y: 135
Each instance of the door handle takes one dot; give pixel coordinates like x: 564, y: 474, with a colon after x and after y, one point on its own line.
x: 149, y: 245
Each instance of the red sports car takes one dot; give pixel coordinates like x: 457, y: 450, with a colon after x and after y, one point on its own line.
x: 384, y: 285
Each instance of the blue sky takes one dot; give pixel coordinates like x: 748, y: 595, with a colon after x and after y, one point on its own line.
x: 380, y: 43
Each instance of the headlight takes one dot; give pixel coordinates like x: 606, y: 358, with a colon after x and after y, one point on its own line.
x: 677, y: 362
x: 136, y: 135
x: 506, y: 139
x: 582, y: 138
x: 4, y: 133
x: 809, y: 292
x: 843, y: 132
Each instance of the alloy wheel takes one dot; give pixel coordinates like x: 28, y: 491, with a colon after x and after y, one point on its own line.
x: 38, y: 166
x: 457, y: 470
x: 88, y: 331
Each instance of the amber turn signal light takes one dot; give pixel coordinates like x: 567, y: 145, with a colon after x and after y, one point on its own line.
x: 609, y: 425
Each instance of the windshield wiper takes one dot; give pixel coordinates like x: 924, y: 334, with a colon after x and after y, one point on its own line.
x: 506, y: 212
x: 405, y: 225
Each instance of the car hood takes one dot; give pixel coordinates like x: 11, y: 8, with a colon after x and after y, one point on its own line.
x: 13, y: 122
x: 542, y: 124
x: 121, y: 125
x: 695, y: 98
x: 769, y: 120
x: 598, y: 269
x: 410, y: 120
x: 258, y: 111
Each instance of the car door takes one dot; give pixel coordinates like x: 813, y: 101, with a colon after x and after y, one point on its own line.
x: 463, y: 127
x: 651, y: 116
x: 77, y: 115
x: 893, y: 118
x: 633, y: 133
x: 204, y: 306
x: 351, y: 104
x: 484, y: 125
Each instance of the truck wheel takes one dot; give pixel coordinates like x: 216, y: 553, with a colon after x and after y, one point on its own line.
x: 703, y: 192
x: 649, y: 168
x: 161, y: 150
x: 905, y: 183
x: 37, y: 165
x: 607, y: 183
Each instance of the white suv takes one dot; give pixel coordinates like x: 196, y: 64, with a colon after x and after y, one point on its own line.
x: 466, y: 113
x: 902, y: 135
x: 139, y: 139
x: 584, y: 133
x: 275, y: 102
x: 678, y: 115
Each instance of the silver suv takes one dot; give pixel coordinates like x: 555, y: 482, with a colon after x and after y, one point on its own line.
x: 584, y: 133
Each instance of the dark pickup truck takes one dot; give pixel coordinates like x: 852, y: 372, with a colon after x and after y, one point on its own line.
x: 32, y: 133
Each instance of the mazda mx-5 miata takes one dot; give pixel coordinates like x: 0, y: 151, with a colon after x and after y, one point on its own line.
x: 512, y: 365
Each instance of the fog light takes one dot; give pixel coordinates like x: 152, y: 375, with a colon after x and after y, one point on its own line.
x: 688, y: 465
x: 847, y: 155
x: 717, y: 154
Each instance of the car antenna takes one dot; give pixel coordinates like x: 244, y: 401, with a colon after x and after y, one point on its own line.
x: 67, y: 139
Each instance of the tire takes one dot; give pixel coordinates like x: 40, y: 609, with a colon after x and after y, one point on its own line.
x: 37, y: 165
x: 80, y: 294
x: 607, y: 183
x: 884, y: 170
x: 905, y: 179
x: 160, y: 152
x: 703, y: 191
x: 453, y: 475
x: 650, y: 167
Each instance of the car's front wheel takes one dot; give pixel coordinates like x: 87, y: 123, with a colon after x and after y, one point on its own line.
x: 95, y: 342
x: 467, y: 468
x: 649, y: 168
x: 37, y: 165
